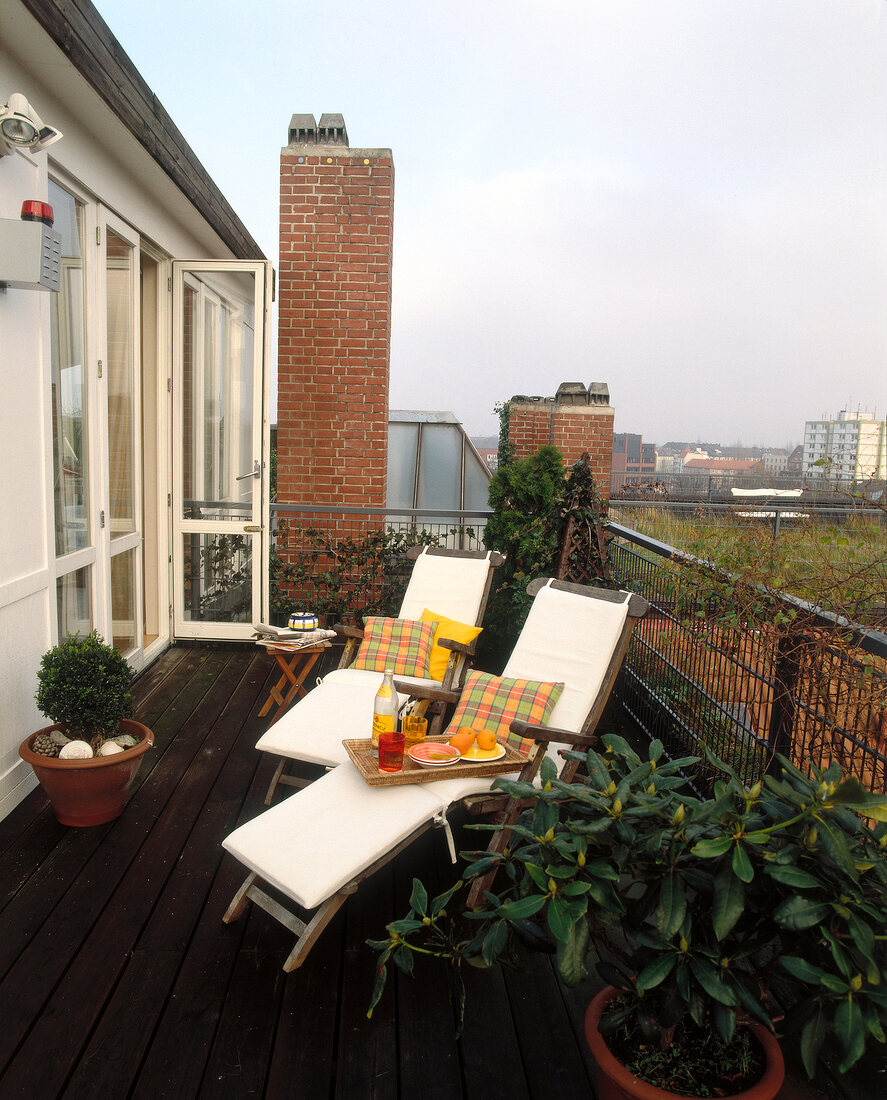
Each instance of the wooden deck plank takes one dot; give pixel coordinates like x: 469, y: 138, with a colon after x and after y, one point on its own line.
x: 303, y: 1057
x: 142, y: 991
x: 22, y: 920
x: 114, y: 957
x: 116, y: 920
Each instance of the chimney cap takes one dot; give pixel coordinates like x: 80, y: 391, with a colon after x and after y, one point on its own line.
x: 598, y: 393
x: 571, y: 393
x: 303, y: 130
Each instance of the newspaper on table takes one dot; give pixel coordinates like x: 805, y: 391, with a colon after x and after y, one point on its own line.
x: 281, y: 637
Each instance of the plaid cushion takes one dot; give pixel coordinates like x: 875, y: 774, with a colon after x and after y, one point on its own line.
x: 401, y: 644
x: 493, y: 702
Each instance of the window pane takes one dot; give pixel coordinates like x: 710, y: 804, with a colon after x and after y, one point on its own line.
x: 402, y: 439
x: 74, y: 600
x: 120, y: 370
x: 217, y: 400
x: 218, y: 578
x: 123, y: 601
x: 440, y: 467
x: 477, y: 481
x: 69, y: 410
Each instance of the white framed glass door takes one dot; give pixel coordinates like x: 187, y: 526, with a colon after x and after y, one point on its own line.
x: 220, y: 447
x: 120, y: 520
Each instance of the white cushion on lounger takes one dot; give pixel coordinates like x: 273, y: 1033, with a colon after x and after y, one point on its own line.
x: 313, y: 843
x: 315, y: 728
x: 546, y: 650
x: 450, y: 586
x: 372, y: 679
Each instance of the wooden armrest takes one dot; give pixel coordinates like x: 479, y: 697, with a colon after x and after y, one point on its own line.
x: 458, y: 647
x: 347, y: 631
x: 546, y: 734
x: 434, y: 695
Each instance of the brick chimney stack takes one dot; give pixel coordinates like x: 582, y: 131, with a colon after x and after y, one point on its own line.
x: 576, y: 419
x: 334, y: 316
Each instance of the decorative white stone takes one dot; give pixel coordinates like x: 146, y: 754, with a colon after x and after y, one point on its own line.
x: 109, y: 748
x: 75, y: 750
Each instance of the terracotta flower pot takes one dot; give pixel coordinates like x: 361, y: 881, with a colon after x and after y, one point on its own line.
x: 88, y: 792
x: 615, y: 1082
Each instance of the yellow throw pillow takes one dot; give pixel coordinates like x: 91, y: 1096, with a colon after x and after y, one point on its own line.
x: 446, y: 628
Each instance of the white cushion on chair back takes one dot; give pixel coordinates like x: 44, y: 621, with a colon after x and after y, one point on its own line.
x: 568, y: 638
x: 450, y: 586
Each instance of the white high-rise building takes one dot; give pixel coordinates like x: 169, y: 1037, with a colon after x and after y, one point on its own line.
x: 853, y: 447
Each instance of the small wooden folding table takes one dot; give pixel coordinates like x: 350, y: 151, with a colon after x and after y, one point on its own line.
x: 295, y: 664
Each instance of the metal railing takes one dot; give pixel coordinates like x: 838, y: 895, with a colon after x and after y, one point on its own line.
x: 748, y: 693
x: 743, y: 694
x: 349, y: 562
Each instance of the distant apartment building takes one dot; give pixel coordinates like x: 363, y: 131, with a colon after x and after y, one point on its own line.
x: 633, y: 461
x: 852, y: 447
x: 774, y: 462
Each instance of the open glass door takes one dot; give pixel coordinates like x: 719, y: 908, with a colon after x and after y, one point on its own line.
x: 220, y: 447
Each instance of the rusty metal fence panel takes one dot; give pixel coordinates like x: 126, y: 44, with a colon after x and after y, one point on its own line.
x: 743, y: 694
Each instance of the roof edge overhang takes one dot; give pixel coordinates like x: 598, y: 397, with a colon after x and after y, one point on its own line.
x: 83, y: 36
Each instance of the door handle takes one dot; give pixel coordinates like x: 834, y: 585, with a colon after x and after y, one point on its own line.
x: 254, y: 472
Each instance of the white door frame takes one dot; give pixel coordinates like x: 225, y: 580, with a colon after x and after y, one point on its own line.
x: 108, y: 544
x: 254, y: 527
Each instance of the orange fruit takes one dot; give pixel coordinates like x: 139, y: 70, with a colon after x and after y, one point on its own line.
x: 463, y: 740
x: 486, y: 740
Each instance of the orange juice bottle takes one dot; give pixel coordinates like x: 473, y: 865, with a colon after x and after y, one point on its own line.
x: 385, y: 708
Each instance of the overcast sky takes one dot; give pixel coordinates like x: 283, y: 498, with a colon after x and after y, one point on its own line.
x: 684, y: 199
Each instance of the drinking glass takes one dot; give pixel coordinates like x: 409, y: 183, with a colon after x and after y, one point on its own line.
x: 414, y: 729
x: 391, y: 751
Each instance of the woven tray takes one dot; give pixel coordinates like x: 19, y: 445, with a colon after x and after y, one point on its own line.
x: 366, y: 763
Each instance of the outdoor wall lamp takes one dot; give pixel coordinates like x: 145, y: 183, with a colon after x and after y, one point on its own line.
x: 22, y: 127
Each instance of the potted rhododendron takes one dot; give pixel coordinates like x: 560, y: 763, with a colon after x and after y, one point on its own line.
x: 715, y: 922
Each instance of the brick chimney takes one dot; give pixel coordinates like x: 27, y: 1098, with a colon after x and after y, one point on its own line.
x: 576, y: 419
x: 334, y: 316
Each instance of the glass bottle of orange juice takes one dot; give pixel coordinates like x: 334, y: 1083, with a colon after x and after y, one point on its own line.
x: 384, y: 708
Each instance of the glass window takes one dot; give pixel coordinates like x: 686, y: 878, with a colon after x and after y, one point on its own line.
x: 218, y: 578
x: 120, y: 370
x: 70, y: 443
x: 440, y: 467
x: 402, y: 441
x: 123, y: 604
x: 74, y: 600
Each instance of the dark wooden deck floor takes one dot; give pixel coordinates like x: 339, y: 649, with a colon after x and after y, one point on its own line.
x: 118, y: 978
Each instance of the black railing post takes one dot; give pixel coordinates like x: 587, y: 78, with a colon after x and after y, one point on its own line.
x: 786, y: 675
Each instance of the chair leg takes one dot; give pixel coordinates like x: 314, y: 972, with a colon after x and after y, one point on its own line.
x: 282, y: 778
x: 240, y: 900
x: 315, y: 926
x: 275, y: 780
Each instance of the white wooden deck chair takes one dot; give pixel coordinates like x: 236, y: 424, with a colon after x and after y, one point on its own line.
x: 453, y: 583
x: 317, y: 846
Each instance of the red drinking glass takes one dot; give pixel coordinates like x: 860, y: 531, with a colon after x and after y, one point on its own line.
x: 391, y: 751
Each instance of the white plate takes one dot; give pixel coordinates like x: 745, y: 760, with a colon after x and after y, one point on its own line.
x: 421, y: 754
x: 484, y: 756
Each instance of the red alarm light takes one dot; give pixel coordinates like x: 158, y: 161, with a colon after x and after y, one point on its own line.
x: 35, y: 211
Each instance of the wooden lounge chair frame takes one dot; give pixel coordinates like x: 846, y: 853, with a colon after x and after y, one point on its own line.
x: 506, y: 808
x: 460, y: 659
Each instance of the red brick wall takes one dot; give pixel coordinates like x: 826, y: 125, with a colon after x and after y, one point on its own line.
x: 334, y: 324
x: 572, y: 429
